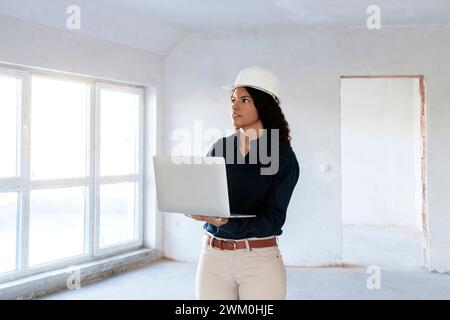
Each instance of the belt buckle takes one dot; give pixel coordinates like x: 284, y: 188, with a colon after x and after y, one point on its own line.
x: 232, y: 241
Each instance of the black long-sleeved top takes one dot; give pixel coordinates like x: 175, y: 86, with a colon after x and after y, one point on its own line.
x: 250, y: 192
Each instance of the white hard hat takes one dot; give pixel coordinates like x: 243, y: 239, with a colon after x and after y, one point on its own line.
x: 258, y: 78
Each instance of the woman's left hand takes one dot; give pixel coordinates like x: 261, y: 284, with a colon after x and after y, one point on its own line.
x: 216, y: 221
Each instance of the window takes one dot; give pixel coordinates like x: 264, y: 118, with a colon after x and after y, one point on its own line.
x: 57, y: 219
x: 119, y: 114
x: 10, y: 168
x: 71, y: 170
x: 117, y: 213
x: 8, y: 222
x: 119, y: 140
x: 9, y: 113
x: 59, y: 128
x: 58, y: 152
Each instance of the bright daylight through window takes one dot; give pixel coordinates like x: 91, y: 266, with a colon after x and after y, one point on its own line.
x: 55, y: 183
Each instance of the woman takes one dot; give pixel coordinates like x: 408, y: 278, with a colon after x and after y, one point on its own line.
x: 240, y: 258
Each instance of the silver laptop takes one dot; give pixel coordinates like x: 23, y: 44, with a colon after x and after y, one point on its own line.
x: 193, y: 185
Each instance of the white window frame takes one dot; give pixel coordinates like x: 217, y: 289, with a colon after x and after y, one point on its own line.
x: 136, y: 178
x: 48, y: 184
x: 17, y: 184
x: 23, y: 185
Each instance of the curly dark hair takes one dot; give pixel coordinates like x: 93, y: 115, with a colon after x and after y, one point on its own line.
x: 270, y: 113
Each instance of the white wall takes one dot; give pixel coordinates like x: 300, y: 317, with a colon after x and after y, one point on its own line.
x: 379, y: 144
x: 33, y: 45
x: 310, y: 63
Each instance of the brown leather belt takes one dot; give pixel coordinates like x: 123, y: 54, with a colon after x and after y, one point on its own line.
x: 240, y: 244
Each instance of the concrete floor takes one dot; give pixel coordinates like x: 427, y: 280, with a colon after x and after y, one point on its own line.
x: 396, y: 251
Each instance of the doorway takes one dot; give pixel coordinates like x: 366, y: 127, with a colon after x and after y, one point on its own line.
x: 383, y: 162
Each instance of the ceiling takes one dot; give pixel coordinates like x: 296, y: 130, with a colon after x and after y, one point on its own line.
x: 158, y: 25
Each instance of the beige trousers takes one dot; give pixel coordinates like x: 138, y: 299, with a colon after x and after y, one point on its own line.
x: 256, y: 274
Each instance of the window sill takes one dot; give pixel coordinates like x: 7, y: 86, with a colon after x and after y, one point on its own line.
x: 56, y: 280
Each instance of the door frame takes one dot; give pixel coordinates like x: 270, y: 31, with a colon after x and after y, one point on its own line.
x: 423, y: 144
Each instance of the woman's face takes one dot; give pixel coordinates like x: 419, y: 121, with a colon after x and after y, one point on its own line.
x: 243, y: 110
